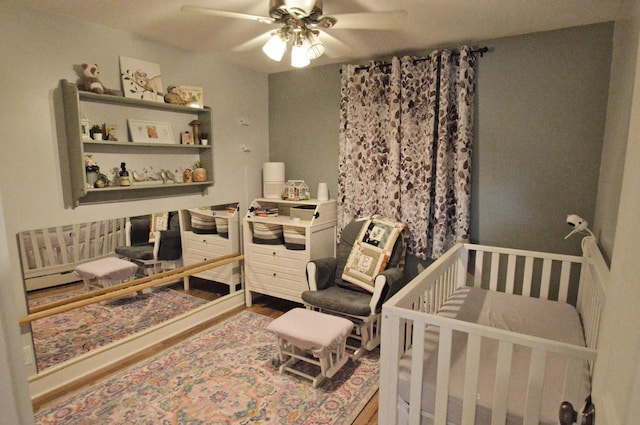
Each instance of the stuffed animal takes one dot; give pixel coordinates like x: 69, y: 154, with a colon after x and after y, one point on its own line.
x: 173, y: 96
x: 92, y: 80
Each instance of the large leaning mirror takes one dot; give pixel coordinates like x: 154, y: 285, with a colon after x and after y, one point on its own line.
x: 68, y: 261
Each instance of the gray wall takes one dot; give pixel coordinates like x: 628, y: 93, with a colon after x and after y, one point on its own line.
x: 541, y: 108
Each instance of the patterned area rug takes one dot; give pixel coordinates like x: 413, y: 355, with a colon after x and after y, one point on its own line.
x: 224, y: 375
x: 66, y: 335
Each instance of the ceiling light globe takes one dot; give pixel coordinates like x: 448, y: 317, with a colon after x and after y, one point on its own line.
x: 275, y: 47
x: 299, y: 57
x: 316, y: 48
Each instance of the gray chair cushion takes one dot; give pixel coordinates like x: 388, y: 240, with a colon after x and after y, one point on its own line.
x: 340, y: 300
x: 136, y: 252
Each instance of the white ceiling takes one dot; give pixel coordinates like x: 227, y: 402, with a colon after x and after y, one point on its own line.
x: 431, y: 23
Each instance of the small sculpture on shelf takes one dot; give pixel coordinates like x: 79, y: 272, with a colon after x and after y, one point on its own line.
x: 91, y: 169
x: 124, y: 179
x: 199, y: 173
x: 187, y: 176
x: 196, y: 131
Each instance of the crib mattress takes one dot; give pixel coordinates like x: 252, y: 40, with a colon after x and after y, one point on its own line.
x: 542, y: 318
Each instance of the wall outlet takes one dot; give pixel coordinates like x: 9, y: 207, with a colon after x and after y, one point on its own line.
x: 26, y: 355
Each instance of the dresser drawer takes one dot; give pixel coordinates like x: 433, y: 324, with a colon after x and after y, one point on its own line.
x: 276, y: 283
x: 205, y: 242
x: 276, y: 257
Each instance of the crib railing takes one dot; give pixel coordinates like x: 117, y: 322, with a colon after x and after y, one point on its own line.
x: 409, y: 313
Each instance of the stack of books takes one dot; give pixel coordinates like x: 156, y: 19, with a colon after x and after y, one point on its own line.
x: 266, y: 212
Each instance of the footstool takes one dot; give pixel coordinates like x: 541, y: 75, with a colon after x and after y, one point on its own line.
x: 105, y: 272
x: 308, y: 335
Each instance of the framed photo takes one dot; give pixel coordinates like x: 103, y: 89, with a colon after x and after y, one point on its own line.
x: 143, y: 131
x: 85, y: 129
x: 186, y: 138
x: 191, y: 95
x: 141, y: 79
x: 111, y: 131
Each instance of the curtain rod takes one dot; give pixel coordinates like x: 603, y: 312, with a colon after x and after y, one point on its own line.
x: 481, y: 51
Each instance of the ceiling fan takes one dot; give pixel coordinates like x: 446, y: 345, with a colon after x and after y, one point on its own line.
x: 302, y: 22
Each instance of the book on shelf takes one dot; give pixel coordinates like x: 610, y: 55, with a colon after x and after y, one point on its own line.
x: 266, y: 212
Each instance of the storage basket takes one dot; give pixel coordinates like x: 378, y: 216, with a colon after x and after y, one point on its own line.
x: 267, y: 234
x: 202, y: 222
x: 294, y: 237
x: 222, y: 225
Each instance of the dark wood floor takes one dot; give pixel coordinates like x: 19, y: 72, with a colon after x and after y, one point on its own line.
x: 267, y: 306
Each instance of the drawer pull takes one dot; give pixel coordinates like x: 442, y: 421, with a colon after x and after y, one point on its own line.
x: 273, y: 253
x: 274, y: 275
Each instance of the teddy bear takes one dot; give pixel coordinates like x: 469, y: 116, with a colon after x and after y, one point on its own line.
x: 92, y: 80
x: 173, y: 96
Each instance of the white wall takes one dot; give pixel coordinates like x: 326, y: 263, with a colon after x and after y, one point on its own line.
x: 41, y: 49
x: 616, y: 385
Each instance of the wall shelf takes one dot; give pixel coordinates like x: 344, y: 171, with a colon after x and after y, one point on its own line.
x: 141, y: 157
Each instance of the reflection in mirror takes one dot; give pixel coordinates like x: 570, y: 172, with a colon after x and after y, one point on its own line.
x: 67, y: 261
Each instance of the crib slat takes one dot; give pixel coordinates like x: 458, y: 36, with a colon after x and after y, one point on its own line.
x: 471, y: 380
x: 495, y: 263
x: 477, y: 274
x: 76, y: 242
x: 48, y: 248
x: 37, y: 254
x: 87, y: 241
x: 565, y: 274
x: 442, y: 377
x: 545, y: 280
x: 534, y: 387
x: 415, y: 394
x: 64, y: 255
x: 527, y: 277
x: 501, y: 391
x: 511, y: 274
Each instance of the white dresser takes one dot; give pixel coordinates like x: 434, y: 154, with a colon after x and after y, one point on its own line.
x: 198, y: 247
x: 273, y: 267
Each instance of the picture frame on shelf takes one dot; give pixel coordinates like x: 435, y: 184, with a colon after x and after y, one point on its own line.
x: 192, y: 95
x: 85, y: 129
x: 186, y: 138
x: 111, y: 132
x: 143, y: 131
x: 141, y: 79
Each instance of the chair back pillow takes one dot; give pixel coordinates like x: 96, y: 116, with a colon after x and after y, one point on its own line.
x: 372, y: 251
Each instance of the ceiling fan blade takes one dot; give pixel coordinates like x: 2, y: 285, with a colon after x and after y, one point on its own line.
x: 225, y: 14
x: 389, y: 20
x: 335, y: 48
x: 254, y: 43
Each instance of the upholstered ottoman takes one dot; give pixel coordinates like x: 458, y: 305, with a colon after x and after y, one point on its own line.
x: 105, y: 272
x: 308, y: 335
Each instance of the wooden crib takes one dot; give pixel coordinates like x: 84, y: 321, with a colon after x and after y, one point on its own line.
x: 442, y: 365
x: 49, y: 255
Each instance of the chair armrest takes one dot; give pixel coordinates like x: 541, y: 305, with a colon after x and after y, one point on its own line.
x: 386, y: 284
x: 321, y: 273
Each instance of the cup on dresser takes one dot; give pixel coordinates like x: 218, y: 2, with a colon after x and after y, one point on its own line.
x: 323, y: 192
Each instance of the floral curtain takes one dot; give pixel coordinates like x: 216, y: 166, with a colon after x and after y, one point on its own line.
x: 405, y: 144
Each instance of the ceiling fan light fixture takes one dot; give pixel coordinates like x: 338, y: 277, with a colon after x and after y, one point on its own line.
x: 275, y: 47
x: 299, y: 57
x: 316, y: 48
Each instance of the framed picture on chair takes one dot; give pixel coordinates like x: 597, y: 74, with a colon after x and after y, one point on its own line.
x: 159, y: 222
